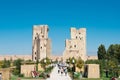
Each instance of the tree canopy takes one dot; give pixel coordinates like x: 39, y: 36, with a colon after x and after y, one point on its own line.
x: 114, y: 52
x: 110, y: 58
x: 79, y: 63
x: 101, y: 52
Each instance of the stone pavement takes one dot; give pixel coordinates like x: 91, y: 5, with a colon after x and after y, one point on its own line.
x: 55, y: 76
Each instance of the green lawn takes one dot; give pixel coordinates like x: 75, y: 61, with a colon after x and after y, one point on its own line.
x: 13, y: 77
x: 23, y: 78
x: 95, y: 79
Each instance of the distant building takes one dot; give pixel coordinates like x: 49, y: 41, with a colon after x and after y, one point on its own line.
x: 55, y: 57
x: 15, y: 57
x: 76, y: 46
x: 41, y: 46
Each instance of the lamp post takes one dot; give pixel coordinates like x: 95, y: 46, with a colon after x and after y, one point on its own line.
x: 73, y: 68
x: 45, y: 63
x: 68, y: 61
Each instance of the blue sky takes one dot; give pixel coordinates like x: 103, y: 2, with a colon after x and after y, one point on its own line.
x: 100, y: 17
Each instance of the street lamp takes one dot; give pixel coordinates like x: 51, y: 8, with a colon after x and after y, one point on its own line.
x: 45, y: 63
x: 68, y: 61
x: 73, y: 61
x: 73, y: 68
x: 45, y: 60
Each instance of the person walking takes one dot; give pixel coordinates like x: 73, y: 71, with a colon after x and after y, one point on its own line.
x: 66, y: 72
x: 61, y: 70
x: 58, y: 71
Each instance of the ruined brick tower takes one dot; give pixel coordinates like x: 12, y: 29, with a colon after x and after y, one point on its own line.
x: 76, y: 46
x: 41, y: 46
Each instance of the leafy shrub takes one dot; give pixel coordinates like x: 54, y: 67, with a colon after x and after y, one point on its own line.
x: 48, y: 70
x: 21, y: 75
x: 76, y: 75
x: 15, y: 71
x: 41, y: 74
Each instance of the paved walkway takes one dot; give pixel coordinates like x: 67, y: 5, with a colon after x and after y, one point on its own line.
x: 55, y: 76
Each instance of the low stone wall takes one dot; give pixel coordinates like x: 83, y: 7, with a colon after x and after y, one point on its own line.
x: 5, y: 74
x: 93, y: 71
x: 27, y: 68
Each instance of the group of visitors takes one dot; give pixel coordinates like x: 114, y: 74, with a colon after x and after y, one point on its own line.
x: 62, y: 69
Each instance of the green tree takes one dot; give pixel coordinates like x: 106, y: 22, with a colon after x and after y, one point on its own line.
x: 71, y: 60
x: 45, y: 63
x: 113, y: 59
x: 108, y: 60
x: 113, y: 67
x: 113, y: 63
x: 110, y: 51
x: 6, y: 63
x: 92, y: 62
x: 101, y: 52
x: 17, y: 63
x: 114, y: 52
x: 80, y: 63
x: 1, y: 64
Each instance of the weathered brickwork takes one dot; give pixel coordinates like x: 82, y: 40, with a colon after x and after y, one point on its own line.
x: 41, y: 47
x: 76, y: 46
